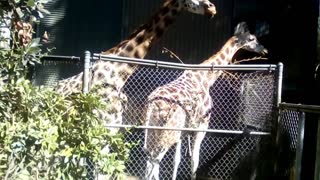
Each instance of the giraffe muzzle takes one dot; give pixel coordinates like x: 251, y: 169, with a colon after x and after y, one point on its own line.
x: 211, y: 11
x: 264, y: 51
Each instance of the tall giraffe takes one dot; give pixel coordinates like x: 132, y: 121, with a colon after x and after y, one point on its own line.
x: 113, y: 75
x: 186, y: 102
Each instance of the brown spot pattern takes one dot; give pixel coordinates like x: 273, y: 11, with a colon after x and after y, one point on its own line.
x: 164, y: 11
x: 159, y: 31
x: 167, y: 21
x: 129, y: 48
x: 139, y: 39
x: 137, y: 54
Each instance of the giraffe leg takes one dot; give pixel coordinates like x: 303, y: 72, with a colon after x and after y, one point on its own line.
x: 156, y: 171
x: 149, y: 170
x: 152, y: 170
x: 153, y: 166
x: 196, y: 150
x: 177, y: 159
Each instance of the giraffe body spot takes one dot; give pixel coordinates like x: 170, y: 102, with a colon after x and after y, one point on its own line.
x: 167, y: 21
x: 137, y: 54
x: 156, y: 19
x: 139, y: 39
x: 129, y: 48
x: 159, y: 31
x: 164, y: 11
x: 222, y: 56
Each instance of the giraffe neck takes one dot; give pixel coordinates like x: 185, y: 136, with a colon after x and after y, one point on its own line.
x: 140, y: 42
x: 136, y: 46
x: 223, y: 57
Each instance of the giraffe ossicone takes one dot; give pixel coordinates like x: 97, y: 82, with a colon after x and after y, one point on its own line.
x: 186, y: 103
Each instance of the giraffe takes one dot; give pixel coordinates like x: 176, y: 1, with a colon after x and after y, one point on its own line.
x: 113, y: 75
x: 186, y: 102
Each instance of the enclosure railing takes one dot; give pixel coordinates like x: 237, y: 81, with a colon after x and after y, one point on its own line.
x: 291, y: 118
x: 296, y: 113
x: 60, y: 58
x: 247, y: 99
x: 251, y: 100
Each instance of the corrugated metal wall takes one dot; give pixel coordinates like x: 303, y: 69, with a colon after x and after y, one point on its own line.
x: 192, y: 37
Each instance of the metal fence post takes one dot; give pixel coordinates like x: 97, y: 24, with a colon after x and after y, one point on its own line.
x: 317, y: 165
x: 85, y: 90
x: 86, y: 72
x: 278, y: 111
x: 300, y: 145
x: 279, y: 83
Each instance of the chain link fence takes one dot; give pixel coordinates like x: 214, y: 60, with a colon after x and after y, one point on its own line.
x: 243, y: 116
x: 241, y: 100
x: 291, y: 131
x: 287, y: 139
x: 55, y: 68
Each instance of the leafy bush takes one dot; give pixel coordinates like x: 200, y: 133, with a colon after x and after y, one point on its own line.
x: 44, y: 135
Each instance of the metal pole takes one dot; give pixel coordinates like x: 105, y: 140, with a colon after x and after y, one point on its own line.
x: 277, y: 112
x: 279, y: 83
x: 300, y: 107
x: 85, y: 89
x: 164, y: 64
x: 216, y: 131
x: 317, y: 166
x: 86, y: 72
x: 300, y: 145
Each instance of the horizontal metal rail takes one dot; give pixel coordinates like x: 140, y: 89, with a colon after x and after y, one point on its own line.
x: 163, y: 64
x: 216, y: 131
x: 300, y: 107
x: 60, y: 58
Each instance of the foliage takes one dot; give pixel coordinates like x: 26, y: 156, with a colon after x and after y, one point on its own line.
x: 24, y: 9
x: 15, y: 62
x: 45, y: 135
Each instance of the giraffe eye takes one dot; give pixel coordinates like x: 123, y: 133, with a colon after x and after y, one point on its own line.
x: 251, y: 38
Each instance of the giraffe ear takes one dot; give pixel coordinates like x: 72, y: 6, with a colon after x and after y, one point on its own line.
x: 241, y: 28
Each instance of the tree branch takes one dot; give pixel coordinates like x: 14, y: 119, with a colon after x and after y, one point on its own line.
x: 171, y: 54
x: 250, y: 59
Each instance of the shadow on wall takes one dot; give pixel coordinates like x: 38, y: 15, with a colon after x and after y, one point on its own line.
x: 75, y: 27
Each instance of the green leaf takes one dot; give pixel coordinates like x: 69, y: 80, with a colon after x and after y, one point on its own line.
x: 121, y: 167
x: 33, y: 50
x: 19, y: 12
x: 35, y: 42
x: 30, y: 3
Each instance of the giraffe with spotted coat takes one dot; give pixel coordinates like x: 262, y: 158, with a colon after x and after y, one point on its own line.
x: 186, y: 103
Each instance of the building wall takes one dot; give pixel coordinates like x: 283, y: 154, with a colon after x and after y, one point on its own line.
x: 192, y: 38
x: 76, y: 26
x: 99, y: 25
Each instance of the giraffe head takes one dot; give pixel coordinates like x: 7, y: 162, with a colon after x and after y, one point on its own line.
x: 204, y: 7
x: 248, y: 41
